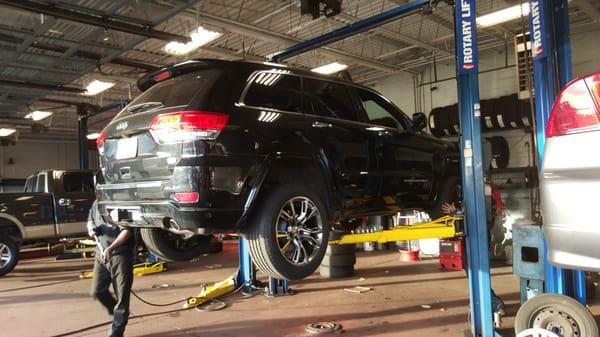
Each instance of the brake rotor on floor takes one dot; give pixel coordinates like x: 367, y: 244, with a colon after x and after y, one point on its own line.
x: 211, y: 305
x: 323, y: 327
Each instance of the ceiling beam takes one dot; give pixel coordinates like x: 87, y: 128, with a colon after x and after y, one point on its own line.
x: 55, y: 9
x: 397, y: 36
x: 79, y: 53
x: 40, y: 85
x: 282, y: 39
x: 588, y: 8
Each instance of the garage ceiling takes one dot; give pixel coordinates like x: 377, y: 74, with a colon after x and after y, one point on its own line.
x: 48, y: 54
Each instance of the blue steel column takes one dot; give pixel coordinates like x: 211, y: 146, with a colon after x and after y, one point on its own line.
x: 562, y: 36
x: 472, y: 170
x: 544, y: 80
x: 245, y: 275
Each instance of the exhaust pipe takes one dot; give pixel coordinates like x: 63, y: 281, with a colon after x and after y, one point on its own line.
x: 174, y: 228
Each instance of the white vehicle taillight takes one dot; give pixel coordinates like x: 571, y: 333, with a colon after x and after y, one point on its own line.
x: 100, y: 142
x: 188, y: 125
x: 577, y: 107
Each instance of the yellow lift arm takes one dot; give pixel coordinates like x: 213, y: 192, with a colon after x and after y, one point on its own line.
x: 442, y: 228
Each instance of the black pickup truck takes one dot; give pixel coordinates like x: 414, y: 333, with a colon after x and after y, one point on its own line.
x: 54, y: 204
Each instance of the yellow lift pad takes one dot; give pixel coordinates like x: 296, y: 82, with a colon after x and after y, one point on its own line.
x: 138, y: 269
x: 211, y: 291
x: 442, y: 228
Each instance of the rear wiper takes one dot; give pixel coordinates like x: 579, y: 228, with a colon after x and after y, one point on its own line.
x: 144, y: 106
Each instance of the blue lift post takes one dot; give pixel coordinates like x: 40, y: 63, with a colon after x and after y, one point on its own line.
x: 468, y: 97
x: 472, y: 169
x: 551, y: 52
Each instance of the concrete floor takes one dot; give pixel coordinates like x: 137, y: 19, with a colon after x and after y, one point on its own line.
x: 44, y: 297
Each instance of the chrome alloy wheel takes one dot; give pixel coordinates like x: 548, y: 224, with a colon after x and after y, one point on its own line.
x: 299, y: 230
x: 5, y: 255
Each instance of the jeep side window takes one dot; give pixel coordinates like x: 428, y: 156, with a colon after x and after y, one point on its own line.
x: 274, y: 90
x: 328, y: 99
x: 377, y: 110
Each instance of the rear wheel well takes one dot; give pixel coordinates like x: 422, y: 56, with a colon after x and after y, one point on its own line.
x: 300, y: 171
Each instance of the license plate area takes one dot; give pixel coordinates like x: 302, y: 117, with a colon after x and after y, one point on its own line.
x: 127, y: 148
x: 125, y: 214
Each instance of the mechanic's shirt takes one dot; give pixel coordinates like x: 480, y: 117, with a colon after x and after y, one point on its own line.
x: 109, y: 233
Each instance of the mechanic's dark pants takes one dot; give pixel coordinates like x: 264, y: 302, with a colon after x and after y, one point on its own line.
x: 119, y: 273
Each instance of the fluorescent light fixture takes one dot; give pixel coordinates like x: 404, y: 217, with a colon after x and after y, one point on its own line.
x: 200, y: 36
x: 330, y: 68
x: 38, y: 115
x: 375, y: 128
x: 503, y: 15
x: 5, y: 132
x: 97, y: 86
x: 93, y: 136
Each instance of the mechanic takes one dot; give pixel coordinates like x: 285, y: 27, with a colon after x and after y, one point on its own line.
x: 458, y: 210
x: 115, y: 256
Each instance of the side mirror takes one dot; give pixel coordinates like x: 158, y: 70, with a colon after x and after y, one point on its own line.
x: 419, y: 121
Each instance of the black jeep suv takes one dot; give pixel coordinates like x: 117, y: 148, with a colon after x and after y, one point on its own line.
x: 279, y: 154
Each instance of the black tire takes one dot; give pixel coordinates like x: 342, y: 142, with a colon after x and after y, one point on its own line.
x: 453, y: 120
x: 500, y: 152
x: 525, y: 113
x: 335, y: 260
x: 486, y: 108
x: 435, y: 126
x: 449, y: 192
x: 9, y: 254
x: 341, y: 249
x: 336, y: 272
x: 550, y: 311
x: 215, y: 247
x: 172, y: 247
x: 265, y: 245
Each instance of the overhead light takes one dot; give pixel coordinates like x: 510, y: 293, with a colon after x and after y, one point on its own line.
x: 330, y: 68
x: 38, y: 115
x: 200, y: 36
x: 97, y: 86
x: 5, y: 132
x: 503, y: 15
x: 93, y: 135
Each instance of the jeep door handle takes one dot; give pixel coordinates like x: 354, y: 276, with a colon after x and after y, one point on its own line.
x: 321, y: 125
x: 64, y: 202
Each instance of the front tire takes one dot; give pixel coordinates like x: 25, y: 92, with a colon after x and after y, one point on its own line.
x: 556, y: 313
x: 9, y: 255
x: 288, y: 233
x: 172, y: 247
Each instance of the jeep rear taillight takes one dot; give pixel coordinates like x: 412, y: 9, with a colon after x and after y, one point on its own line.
x: 577, y: 107
x: 100, y: 142
x: 187, y: 197
x: 188, y: 125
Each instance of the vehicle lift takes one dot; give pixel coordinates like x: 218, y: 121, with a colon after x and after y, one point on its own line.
x: 470, y: 141
x: 472, y: 170
x: 556, y: 54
